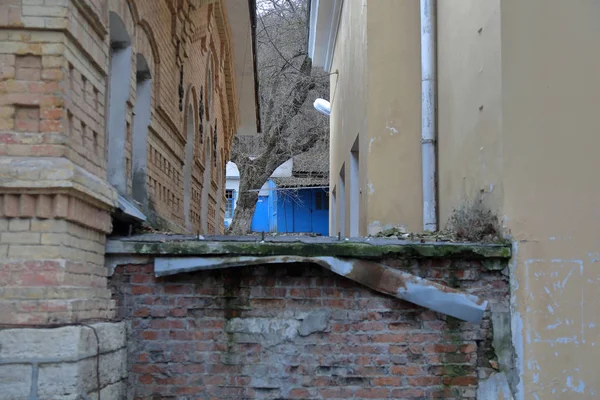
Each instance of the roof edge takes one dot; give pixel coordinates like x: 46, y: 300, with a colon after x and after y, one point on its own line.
x: 322, y: 32
x: 252, y: 10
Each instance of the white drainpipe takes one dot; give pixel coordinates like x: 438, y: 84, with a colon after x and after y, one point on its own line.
x: 428, y: 112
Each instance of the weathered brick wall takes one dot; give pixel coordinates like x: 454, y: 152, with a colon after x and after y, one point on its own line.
x: 51, y: 267
x: 155, y: 28
x: 55, y: 203
x: 301, y: 332
x: 54, y: 86
x: 54, y: 208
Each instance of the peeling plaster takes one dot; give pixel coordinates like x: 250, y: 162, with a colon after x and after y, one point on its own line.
x: 494, y: 388
x: 579, y: 387
x: 393, y: 131
x: 501, y: 385
x: 536, y: 270
x: 557, y: 321
x: 371, y: 141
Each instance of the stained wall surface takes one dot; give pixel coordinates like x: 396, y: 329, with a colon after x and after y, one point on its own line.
x: 469, y: 105
x: 517, y: 105
x: 517, y: 115
x: 549, y: 116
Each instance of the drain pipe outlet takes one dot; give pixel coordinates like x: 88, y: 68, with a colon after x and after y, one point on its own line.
x: 428, y: 112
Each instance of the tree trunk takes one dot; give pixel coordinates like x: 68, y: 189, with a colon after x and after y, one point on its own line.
x: 244, y: 210
x: 286, y: 79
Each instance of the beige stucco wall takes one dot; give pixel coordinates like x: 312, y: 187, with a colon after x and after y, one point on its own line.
x: 469, y: 105
x: 376, y: 97
x: 550, y: 103
x: 531, y: 149
x: 394, y: 116
x: 348, y: 97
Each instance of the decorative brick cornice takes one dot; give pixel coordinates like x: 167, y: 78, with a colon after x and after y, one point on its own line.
x: 24, y: 174
x: 63, y: 205
x: 47, y: 187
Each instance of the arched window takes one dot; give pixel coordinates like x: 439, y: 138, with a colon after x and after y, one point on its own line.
x: 209, y: 89
x: 141, y: 121
x: 187, y: 166
x: 201, y: 115
x: 206, y: 186
x: 119, y: 75
x: 214, y: 151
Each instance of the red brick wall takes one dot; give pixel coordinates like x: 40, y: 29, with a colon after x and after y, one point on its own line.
x: 192, y: 335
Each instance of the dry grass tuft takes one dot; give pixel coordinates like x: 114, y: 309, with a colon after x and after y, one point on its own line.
x: 472, y: 222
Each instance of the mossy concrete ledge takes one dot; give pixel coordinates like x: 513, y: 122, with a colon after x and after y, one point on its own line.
x: 367, y: 248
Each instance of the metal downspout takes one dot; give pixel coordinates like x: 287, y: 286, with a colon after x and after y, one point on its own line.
x: 428, y: 112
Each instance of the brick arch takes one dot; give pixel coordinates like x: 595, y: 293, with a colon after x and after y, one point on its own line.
x: 146, y: 45
x: 212, y: 50
x: 127, y: 10
x: 118, y: 154
x: 145, y: 100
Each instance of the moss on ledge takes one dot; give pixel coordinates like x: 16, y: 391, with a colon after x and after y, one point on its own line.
x: 302, y: 246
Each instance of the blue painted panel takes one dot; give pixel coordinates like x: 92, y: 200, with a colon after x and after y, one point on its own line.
x: 272, y: 206
x: 300, y: 212
x: 282, y: 213
x: 320, y: 215
x: 265, y: 215
x: 285, y: 214
x: 260, y: 221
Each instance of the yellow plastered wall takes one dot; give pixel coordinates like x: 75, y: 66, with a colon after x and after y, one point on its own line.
x: 518, y: 104
x: 376, y: 104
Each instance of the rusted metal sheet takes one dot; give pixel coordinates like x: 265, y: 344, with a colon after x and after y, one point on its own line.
x: 374, y: 275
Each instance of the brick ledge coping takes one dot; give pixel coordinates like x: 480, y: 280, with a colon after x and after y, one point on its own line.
x: 185, y: 245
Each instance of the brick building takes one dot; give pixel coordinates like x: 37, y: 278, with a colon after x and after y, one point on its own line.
x: 111, y: 111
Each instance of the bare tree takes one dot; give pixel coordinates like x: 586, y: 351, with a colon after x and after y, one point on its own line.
x: 288, y: 84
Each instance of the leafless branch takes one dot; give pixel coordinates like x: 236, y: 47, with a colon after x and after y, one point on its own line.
x: 287, y: 86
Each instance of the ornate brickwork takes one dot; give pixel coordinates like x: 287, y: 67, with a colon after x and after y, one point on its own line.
x: 93, y: 95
